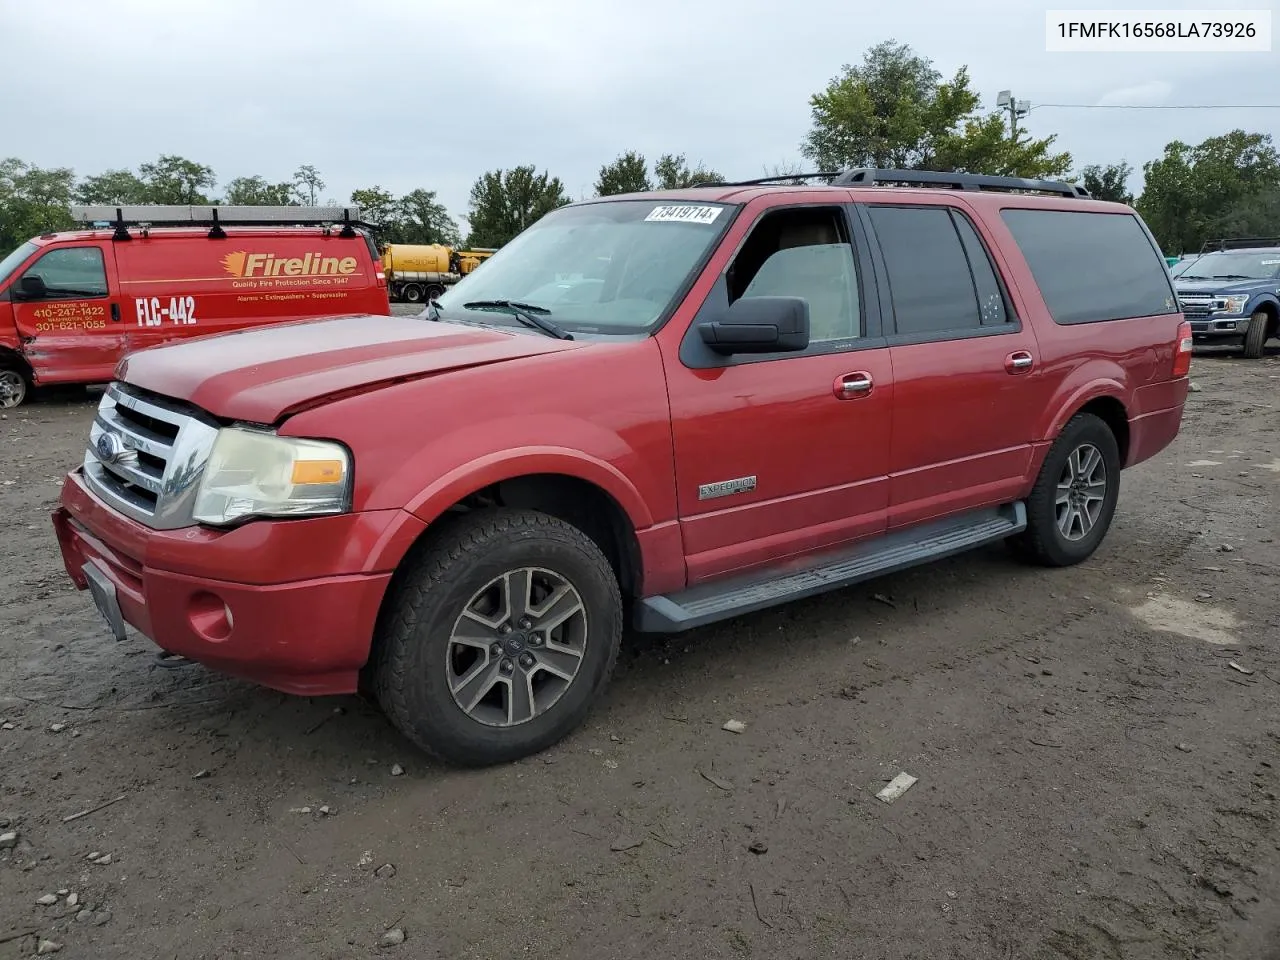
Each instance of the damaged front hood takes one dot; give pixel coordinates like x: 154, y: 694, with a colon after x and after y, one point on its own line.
x: 261, y: 375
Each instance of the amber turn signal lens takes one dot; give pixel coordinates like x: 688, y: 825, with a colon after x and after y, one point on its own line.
x: 316, y: 471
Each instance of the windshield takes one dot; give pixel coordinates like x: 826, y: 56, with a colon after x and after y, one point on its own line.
x: 11, y: 262
x: 609, y: 267
x: 1235, y: 265
x: 1183, y: 266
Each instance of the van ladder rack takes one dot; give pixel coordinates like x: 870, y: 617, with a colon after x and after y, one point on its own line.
x: 1238, y: 243
x: 870, y: 176
x: 146, y: 216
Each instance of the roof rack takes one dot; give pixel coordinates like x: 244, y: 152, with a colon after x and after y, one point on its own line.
x: 781, y: 178
x: 870, y: 176
x: 145, y: 216
x: 1238, y: 243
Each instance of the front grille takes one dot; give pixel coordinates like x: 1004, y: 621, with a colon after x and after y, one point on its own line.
x: 1195, y: 306
x: 146, y: 455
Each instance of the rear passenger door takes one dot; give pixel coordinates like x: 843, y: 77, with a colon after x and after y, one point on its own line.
x: 964, y: 364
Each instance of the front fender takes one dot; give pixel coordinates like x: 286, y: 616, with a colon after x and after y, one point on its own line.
x: 484, y: 471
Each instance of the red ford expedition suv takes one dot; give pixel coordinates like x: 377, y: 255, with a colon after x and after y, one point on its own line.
x: 668, y: 408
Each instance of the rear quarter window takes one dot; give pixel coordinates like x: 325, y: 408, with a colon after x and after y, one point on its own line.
x: 1092, y: 267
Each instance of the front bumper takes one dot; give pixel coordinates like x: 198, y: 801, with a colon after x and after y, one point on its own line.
x: 1218, y: 327
x: 290, y: 604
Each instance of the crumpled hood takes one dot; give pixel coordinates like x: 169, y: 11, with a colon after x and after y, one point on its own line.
x: 260, y: 375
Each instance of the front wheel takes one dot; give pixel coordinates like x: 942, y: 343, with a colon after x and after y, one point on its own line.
x: 1256, y: 339
x: 1074, y: 498
x: 498, y: 637
x: 13, y: 388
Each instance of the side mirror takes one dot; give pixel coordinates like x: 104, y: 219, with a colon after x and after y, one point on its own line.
x: 32, y: 287
x: 760, y: 325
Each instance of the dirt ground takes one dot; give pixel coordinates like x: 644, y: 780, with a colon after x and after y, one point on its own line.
x: 1097, y: 779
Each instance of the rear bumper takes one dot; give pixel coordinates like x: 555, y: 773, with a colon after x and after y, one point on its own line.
x: 305, y: 636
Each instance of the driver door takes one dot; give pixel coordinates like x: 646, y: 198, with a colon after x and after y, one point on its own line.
x: 67, y: 312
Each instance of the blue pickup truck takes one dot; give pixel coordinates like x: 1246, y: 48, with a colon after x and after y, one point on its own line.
x: 1230, y: 293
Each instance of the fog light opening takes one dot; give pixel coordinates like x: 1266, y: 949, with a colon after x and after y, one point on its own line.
x: 210, y: 617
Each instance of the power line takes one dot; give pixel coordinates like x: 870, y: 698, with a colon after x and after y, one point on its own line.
x: 1159, y: 106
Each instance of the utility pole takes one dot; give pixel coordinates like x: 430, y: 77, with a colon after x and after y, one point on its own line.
x: 1016, y: 108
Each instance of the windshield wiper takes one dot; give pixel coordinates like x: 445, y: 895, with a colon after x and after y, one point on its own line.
x: 1231, y: 276
x: 529, y: 314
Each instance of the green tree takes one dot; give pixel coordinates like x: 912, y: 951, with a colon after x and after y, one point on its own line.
x: 1187, y: 193
x: 174, y: 179
x: 33, y: 200
x: 628, y: 174
x: 1257, y: 215
x: 895, y: 110
x: 423, y: 219
x: 256, y: 191
x: 307, y: 179
x: 673, y: 173
x: 1108, y: 182
x: 503, y: 203
x: 113, y: 186
x: 379, y: 207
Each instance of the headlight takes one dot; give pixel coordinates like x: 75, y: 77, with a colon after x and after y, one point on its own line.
x: 1233, y: 304
x: 252, y: 473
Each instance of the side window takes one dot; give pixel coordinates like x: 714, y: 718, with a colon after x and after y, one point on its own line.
x: 991, y: 301
x: 803, y: 252
x: 1092, y: 266
x: 930, y: 282
x: 71, y: 273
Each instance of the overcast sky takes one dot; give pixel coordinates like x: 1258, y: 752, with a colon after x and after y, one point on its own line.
x: 434, y: 92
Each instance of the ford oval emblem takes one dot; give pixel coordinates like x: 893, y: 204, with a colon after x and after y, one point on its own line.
x: 110, y: 447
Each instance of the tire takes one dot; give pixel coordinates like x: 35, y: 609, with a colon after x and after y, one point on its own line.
x: 451, y: 587
x: 434, y: 291
x: 1256, y: 339
x: 14, y: 387
x: 412, y: 293
x: 1044, y: 541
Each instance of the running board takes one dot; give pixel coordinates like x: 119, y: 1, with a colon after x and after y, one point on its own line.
x: 707, y: 603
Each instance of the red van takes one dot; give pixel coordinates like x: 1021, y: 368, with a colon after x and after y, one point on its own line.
x: 73, y: 304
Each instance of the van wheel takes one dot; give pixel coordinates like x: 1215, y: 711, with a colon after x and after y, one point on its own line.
x: 413, y: 293
x: 497, y: 639
x: 13, y: 388
x: 1256, y: 339
x: 1074, y: 498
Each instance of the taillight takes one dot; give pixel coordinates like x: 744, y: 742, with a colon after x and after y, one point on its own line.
x: 382, y: 278
x: 1182, y: 351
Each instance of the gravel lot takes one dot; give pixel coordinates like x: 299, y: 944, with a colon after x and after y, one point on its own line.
x: 1097, y: 779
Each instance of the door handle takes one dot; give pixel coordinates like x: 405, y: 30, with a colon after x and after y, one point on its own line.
x: 115, y: 312
x: 1020, y: 361
x: 853, y: 385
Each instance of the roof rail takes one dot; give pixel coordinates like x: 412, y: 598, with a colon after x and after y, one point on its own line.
x: 764, y: 181
x: 868, y: 176
x: 1237, y: 243
x: 145, y: 216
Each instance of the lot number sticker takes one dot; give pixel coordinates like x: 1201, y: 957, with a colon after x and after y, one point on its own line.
x: 684, y: 214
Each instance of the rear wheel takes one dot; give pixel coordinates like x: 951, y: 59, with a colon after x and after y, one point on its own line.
x: 433, y: 291
x: 498, y: 637
x: 1256, y: 339
x: 13, y: 387
x: 1074, y: 498
x: 412, y: 293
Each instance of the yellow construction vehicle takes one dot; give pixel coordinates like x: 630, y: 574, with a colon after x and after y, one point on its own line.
x: 418, y: 273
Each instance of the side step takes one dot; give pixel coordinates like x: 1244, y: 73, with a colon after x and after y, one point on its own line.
x: 707, y: 603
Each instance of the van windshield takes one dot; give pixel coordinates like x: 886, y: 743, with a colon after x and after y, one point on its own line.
x: 13, y: 260
x: 613, y: 267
